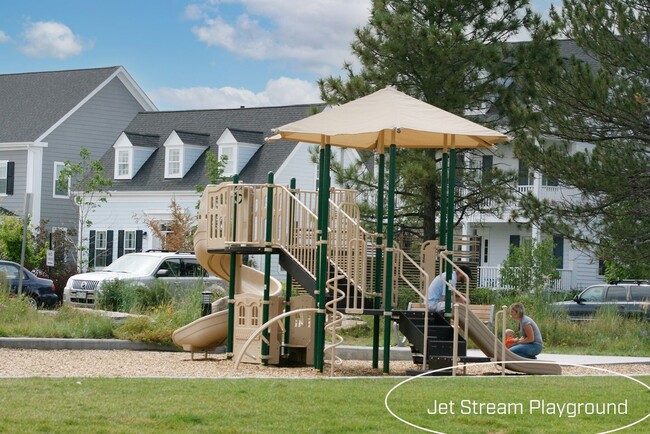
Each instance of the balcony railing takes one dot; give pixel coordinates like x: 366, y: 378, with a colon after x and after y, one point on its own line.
x: 552, y: 193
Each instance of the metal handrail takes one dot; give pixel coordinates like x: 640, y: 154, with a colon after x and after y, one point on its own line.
x: 503, y: 338
x: 444, y: 259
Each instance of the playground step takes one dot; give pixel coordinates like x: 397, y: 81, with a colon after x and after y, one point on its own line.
x: 439, y: 342
x: 445, y: 348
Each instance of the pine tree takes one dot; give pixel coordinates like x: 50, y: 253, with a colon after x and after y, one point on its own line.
x: 454, y: 55
x: 601, y: 99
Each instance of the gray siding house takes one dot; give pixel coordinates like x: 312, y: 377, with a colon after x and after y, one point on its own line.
x: 45, y: 119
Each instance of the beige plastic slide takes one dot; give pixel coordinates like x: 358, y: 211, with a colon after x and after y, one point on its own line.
x: 483, y: 337
x: 210, y: 331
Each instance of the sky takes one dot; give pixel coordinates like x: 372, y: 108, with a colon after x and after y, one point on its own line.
x: 191, y: 54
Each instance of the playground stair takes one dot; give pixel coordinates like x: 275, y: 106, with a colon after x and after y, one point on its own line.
x: 308, y: 283
x: 439, y: 339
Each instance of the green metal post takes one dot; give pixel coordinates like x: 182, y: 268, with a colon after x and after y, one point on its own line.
x: 317, y: 331
x: 389, y: 258
x: 267, y: 265
x: 379, y: 259
x: 443, y: 198
x: 233, y: 275
x: 450, y: 222
x: 287, y: 299
x: 323, y: 198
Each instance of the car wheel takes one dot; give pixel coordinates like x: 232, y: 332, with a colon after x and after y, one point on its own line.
x: 32, y: 302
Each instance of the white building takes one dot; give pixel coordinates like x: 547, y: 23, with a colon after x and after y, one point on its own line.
x: 578, y: 269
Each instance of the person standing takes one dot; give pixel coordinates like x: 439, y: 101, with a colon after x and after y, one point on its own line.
x: 529, y: 344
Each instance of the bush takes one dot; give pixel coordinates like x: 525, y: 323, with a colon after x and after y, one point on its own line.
x: 117, y: 296
x: 149, y: 297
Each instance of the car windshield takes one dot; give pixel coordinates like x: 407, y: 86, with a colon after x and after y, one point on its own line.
x: 135, y: 264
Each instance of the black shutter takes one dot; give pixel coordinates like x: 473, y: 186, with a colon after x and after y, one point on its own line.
x: 558, y: 250
x: 91, y: 250
x: 138, y: 241
x: 120, y: 243
x: 10, y: 177
x: 109, y: 247
x: 486, y: 166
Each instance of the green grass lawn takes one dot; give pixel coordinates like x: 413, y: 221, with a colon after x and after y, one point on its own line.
x: 319, y: 406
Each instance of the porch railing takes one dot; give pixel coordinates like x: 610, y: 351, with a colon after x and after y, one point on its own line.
x: 490, y: 277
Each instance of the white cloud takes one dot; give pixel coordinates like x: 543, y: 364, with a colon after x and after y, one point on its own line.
x: 52, y: 39
x: 316, y: 34
x: 281, y: 91
x: 4, y: 37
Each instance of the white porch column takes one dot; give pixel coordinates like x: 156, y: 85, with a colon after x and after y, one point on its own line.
x: 536, y: 234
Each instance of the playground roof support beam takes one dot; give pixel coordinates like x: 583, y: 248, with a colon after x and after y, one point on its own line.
x: 267, y: 266
x: 379, y: 259
x: 232, y: 283
x: 388, y: 295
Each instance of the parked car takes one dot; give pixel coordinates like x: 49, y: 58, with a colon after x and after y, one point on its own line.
x: 40, y: 292
x: 179, y: 269
x: 628, y: 298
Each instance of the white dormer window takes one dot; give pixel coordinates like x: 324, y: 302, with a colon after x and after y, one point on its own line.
x: 123, y: 164
x: 131, y: 156
x: 173, y: 163
x: 182, y: 150
x: 238, y: 146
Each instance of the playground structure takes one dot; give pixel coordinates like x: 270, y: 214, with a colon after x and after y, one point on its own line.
x: 340, y: 267
x: 351, y: 280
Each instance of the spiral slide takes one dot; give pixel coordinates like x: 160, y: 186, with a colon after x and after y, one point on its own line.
x: 210, y: 331
x: 483, y: 337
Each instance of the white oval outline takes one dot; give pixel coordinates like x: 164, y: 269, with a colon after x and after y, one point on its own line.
x: 547, y: 362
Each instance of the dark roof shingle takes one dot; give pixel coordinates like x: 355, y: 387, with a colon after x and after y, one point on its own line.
x: 248, y: 125
x: 30, y: 103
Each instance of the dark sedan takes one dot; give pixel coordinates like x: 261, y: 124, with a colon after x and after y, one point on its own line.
x: 39, y: 291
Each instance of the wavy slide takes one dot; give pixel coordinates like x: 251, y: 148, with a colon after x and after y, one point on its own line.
x: 483, y: 337
x: 210, y: 331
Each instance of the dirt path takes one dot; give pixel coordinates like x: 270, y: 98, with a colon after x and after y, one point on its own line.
x: 123, y: 363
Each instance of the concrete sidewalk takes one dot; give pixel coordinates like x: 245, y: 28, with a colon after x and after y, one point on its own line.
x: 346, y: 352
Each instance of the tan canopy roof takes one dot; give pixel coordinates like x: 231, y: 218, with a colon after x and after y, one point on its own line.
x: 389, y: 117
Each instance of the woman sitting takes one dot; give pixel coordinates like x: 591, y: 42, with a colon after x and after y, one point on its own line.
x: 529, y: 345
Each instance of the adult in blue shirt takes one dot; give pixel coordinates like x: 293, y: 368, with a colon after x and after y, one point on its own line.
x: 437, y: 290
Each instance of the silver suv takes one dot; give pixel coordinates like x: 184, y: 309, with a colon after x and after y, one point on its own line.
x: 179, y: 269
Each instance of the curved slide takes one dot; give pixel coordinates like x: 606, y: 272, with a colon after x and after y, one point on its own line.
x: 483, y: 337
x: 210, y: 331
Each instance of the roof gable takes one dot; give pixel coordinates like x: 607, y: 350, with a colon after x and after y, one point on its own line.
x: 32, y: 104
